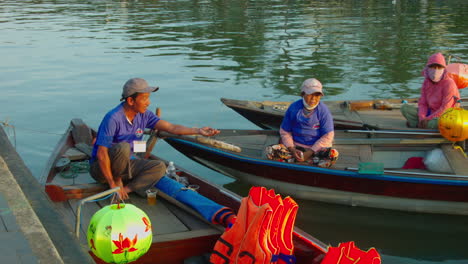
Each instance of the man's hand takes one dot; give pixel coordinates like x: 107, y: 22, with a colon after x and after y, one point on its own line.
x: 123, y: 195
x: 208, y: 131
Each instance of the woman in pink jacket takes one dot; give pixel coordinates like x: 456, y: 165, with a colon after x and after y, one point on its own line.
x: 438, y: 93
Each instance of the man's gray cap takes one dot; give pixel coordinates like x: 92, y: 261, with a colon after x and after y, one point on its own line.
x: 136, y: 85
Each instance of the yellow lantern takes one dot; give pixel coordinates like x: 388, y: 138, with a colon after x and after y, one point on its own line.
x: 453, y: 124
x: 119, y: 233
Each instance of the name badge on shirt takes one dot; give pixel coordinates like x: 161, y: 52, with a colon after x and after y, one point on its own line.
x: 139, y: 146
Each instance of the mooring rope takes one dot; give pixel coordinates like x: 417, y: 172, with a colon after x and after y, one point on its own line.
x: 75, y: 169
x: 6, y: 124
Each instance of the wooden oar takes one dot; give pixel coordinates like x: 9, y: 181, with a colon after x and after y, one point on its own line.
x: 153, y: 138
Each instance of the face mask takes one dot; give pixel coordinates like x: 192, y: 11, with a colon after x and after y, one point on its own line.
x: 308, y: 107
x: 435, y: 74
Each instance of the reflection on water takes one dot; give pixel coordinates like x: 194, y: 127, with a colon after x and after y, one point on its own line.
x: 379, y: 47
x: 428, y: 238
x: 63, y: 59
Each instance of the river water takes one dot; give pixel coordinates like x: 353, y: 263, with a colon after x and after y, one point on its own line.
x: 66, y: 59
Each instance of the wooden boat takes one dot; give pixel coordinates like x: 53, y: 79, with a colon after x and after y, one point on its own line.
x: 368, y: 172
x: 179, y: 233
x: 358, y: 114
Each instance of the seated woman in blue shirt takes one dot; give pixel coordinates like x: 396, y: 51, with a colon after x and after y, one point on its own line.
x: 307, y: 128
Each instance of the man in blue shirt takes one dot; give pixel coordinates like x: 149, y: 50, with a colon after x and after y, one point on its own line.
x: 120, y: 135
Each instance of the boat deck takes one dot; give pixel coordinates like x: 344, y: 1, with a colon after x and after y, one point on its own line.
x: 393, y: 152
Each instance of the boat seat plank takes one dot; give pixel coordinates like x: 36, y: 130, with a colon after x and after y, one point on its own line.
x: 456, y: 159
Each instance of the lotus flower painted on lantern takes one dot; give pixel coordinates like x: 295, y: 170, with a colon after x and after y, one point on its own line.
x: 124, y: 244
x: 147, y: 223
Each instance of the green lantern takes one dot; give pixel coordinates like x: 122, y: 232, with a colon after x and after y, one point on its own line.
x: 119, y: 233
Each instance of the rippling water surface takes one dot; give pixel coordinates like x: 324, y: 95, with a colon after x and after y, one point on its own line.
x: 67, y: 59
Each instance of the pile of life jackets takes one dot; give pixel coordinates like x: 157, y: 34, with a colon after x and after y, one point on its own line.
x: 348, y: 253
x: 261, y: 233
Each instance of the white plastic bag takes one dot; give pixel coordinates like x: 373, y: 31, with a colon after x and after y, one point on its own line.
x: 436, y: 161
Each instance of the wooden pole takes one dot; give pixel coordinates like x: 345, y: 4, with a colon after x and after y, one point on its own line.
x: 153, y: 138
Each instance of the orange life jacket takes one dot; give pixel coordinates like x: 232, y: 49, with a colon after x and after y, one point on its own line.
x: 347, y: 253
x: 286, y: 231
x: 270, y: 230
x: 242, y: 243
x: 262, y: 232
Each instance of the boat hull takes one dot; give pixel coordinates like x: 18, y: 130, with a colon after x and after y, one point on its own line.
x: 418, y: 194
x: 177, y: 235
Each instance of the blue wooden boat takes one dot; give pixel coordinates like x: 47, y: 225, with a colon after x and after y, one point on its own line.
x: 240, y: 154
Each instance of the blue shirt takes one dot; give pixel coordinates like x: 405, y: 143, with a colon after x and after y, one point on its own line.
x: 307, y: 128
x: 115, y: 128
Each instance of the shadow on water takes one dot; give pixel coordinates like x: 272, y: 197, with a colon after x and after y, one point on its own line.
x: 424, y: 237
